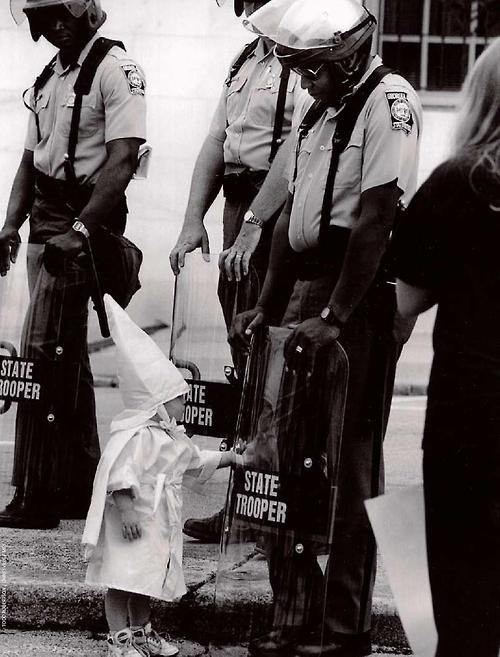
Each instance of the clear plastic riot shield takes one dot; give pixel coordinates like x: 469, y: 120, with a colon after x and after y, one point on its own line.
x: 203, y: 308
x: 278, y: 527
x: 47, y: 411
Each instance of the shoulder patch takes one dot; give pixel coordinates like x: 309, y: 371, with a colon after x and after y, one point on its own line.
x: 399, y: 107
x: 135, y: 79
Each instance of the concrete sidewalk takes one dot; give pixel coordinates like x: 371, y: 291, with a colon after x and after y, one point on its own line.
x: 44, y: 570
x: 45, y: 590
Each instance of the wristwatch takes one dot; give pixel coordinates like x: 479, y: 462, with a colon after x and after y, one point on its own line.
x: 329, y: 317
x: 250, y: 218
x: 80, y: 228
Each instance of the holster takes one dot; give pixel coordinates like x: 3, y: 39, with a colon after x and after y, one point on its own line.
x: 76, y: 196
x: 243, y: 186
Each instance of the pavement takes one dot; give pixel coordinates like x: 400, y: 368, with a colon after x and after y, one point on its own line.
x: 42, y: 572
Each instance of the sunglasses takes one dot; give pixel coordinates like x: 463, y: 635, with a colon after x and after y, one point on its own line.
x: 312, y: 74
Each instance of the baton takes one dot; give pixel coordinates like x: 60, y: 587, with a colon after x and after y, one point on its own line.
x: 97, y: 297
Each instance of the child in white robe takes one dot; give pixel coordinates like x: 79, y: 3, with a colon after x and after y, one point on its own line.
x: 133, y: 533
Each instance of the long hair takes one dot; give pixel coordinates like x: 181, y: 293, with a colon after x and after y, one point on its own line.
x: 478, y: 124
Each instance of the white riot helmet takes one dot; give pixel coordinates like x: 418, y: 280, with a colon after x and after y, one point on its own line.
x: 20, y: 9
x: 337, y: 32
x: 334, y: 29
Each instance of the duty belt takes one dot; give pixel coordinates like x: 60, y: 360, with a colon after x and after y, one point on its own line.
x: 244, y: 185
x: 76, y: 196
x: 322, y: 261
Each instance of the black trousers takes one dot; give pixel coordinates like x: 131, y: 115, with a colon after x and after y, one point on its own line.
x: 237, y: 297
x: 55, y: 460
x: 462, y: 506
x: 341, y: 600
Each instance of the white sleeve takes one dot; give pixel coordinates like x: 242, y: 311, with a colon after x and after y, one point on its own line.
x: 202, y: 466
x: 126, y: 471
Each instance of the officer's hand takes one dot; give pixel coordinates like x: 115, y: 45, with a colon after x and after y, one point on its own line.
x: 58, y: 248
x: 192, y: 236
x: 244, y: 324
x: 303, y: 343
x: 9, y: 247
x: 235, y: 261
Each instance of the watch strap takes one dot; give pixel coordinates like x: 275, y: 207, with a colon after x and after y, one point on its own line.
x: 329, y: 316
x: 250, y: 218
x: 80, y: 228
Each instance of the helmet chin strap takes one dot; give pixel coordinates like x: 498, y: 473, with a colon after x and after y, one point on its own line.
x: 347, y: 73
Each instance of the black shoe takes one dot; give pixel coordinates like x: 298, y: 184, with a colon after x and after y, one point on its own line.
x: 276, y: 643
x: 336, y: 645
x: 20, y: 518
x: 206, y: 530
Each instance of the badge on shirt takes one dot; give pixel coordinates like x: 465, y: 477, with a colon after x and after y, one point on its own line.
x: 136, y: 82
x: 401, y: 114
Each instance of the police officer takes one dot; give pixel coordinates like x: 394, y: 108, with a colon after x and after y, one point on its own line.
x: 344, y: 189
x: 68, y: 200
x: 252, y: 119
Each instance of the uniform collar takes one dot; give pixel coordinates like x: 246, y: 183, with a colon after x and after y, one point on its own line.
x: 259, y: 51
x: 375, y: 63
x: 58, y: 68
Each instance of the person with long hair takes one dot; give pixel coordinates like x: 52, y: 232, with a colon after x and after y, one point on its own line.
x: 448, y: 254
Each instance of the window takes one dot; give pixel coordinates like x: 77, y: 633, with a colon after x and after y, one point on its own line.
x: 434, y: 43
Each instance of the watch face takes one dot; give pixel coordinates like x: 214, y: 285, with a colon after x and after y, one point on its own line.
x: 325, y: 313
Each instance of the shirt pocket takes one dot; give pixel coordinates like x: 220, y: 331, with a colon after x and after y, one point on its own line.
x: 349, y: 171
x: 89, y: 116
x: 264, y: 101
x: 234, y: 99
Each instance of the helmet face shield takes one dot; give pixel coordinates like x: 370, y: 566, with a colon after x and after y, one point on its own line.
x: 339, y: 28
x: 18, y: 8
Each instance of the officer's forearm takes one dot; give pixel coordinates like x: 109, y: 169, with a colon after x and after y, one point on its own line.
x: 274, y: 191
x: 113, y: 180
x: 280, y: 276
x: 366, y: 247
x: 206, y: 181
x: 360, y: 266
x: 22, y: 193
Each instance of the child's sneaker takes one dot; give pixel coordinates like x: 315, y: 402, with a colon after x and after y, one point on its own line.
x: 120, y: 645
x: 145, y: 638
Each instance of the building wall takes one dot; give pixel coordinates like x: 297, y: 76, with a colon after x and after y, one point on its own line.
x: 185, y: 47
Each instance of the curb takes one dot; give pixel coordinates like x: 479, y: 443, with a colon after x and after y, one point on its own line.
x: 57, y: 605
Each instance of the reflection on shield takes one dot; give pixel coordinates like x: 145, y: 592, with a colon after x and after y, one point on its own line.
x: 200, y: 349
x: 278, y: 529
x: 47, y: 419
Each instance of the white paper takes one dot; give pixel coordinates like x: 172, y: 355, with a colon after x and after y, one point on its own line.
x: 398, y: 524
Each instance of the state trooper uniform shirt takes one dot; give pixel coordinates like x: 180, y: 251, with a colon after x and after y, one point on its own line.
x: 244, y: 118
x: 383, y: 147
x: 115, y: 108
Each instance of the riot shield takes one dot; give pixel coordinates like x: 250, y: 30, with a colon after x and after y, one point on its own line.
x: 200, y: 349
x: 279, y: 517
x: 47, y: 409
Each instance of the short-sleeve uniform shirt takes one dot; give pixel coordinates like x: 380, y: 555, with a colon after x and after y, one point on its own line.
x: 383, y: 148
x: 115, y: 108
x: 244, y: 118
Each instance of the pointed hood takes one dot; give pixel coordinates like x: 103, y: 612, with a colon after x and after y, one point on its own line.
x: 146, y: 376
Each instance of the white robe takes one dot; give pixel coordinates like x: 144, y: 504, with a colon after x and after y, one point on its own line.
x: 150, y: 459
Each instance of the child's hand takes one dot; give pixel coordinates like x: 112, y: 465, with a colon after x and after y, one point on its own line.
x: 131, y: 526
x: 249, y: 455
